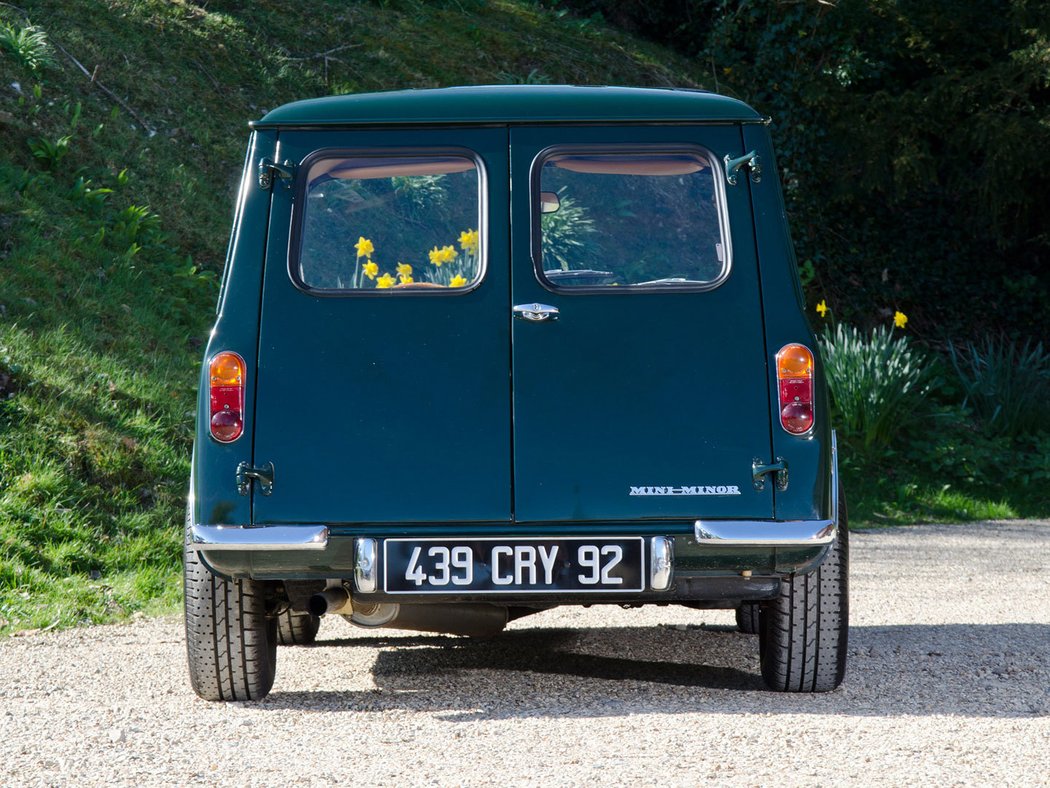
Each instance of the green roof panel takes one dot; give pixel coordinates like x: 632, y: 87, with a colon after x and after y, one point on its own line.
x: 513, y: 104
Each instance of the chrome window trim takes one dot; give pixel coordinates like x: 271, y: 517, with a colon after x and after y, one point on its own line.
x: 299, y: 209
x: 654, y: 148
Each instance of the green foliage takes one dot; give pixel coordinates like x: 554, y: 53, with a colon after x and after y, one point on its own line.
x: 913, y: 141
x: 27, y: 45
x: 1006, y: 385
x: 50, y: 153
x: 534, y: 77
x: 566, y: 242
x: 878, y: 384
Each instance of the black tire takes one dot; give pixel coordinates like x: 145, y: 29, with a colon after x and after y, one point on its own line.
x: 297, y: 629
x: 747, y: 619
x: 231, y: 643
x: 804, y: 633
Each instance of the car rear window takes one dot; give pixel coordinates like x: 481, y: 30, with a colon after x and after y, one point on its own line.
x: 390, y: 224
x: 630, y: 219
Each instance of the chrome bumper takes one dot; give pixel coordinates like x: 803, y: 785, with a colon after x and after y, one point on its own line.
x: 265, y: 537
x: 773, y: 533
x: 766, y: 533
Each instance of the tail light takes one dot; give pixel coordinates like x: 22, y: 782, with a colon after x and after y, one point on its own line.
x: 226, y: 373
x: 795, y: 387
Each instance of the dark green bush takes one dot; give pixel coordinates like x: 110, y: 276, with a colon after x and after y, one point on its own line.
x: 914, y: 145
x: 1006, y: 385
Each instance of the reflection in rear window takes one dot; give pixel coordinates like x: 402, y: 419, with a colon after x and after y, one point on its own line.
x: 631, y: 220
x: 391, y: 223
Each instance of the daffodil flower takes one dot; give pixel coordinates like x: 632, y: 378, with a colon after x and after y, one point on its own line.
x: 370, y: 269
x: 385, y: 281
x: 364, y: 247
x: 822, y: 308
x: 900, y: 320
x: 468, y: 240
x: 442, y: 255
x: 457, y: 281
x: 404, y: 269
x: 406, y: 279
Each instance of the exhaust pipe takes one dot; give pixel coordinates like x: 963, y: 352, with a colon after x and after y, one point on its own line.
x: 331, y: 600
x: 473, y: 620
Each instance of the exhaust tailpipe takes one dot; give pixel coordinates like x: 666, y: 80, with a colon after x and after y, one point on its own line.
x: 331, y: 600
x: 475, y: 620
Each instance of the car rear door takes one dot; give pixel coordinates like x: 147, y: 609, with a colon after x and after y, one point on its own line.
x: 639, y: 364
x: 383, y: 386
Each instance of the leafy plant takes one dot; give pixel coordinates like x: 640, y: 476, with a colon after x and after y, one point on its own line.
x: 1006, y: 385
x: 28, y: 45
x: 877, y: 383
x: 534, y: 77
x: 565, y: 242
x: 50, y: 153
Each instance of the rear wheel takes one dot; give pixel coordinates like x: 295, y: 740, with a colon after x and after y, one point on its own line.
x: 747, y: 620
x: 804, y: 631
x: 297, y: 629
x: 231, y: 642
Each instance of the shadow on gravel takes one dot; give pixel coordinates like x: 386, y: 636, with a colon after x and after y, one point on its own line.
x: 969, y: 670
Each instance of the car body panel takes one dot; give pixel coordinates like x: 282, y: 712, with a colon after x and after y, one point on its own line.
x: 393, y: 408
x: 528, y: 430
x: 637, y: 389
x: 504, y: 104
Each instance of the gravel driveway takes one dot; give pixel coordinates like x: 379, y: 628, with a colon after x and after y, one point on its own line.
x: 948, y: 682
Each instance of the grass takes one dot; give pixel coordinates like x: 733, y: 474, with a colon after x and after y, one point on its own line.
x: 875, y: 502
x: 114, y: 217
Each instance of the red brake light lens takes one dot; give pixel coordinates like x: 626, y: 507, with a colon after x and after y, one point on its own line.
x: 226, y: 374
x: 795, y: 388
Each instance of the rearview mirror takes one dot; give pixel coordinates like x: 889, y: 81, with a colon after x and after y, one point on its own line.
x: 549, y: 202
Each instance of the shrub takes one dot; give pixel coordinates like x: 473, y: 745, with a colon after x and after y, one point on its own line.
x: 1007, y: 386
x: 877, y: 384
x: 28, y: 45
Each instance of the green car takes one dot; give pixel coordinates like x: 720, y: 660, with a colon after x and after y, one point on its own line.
x: 484, y: 351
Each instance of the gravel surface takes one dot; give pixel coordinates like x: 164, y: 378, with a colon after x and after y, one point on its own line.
x: 948, y: 683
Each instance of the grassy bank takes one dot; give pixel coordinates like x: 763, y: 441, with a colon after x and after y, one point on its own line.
x: 115, y: 201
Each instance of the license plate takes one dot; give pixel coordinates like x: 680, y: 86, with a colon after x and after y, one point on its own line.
x: 456, y: 566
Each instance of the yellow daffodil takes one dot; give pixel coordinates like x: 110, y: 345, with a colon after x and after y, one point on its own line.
x: 822, y: 308
x: 385, y: 281
x: 370, y: 269
x: 364, y: 247
x: 406, y: 279
x: 404, y: 269
x: 468, y: 240
x: 457, y: 281
x: 900, y: 320
x: 442, y: 255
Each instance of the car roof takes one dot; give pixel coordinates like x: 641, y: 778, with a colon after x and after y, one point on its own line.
x: 491, y: 104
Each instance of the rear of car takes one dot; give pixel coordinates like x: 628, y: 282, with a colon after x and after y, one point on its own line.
x: 485, y: 351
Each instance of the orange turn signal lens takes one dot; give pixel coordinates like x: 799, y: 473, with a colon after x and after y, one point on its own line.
x: 227, y: 369
x: 794, y: 361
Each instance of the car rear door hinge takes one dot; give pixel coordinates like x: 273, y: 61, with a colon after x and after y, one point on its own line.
x: 759, y: 469
x: 749, y: 160
x: 263, y: 474
x: 269, y: 169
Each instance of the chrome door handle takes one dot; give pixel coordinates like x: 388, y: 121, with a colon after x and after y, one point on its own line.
x: 535, y: 312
